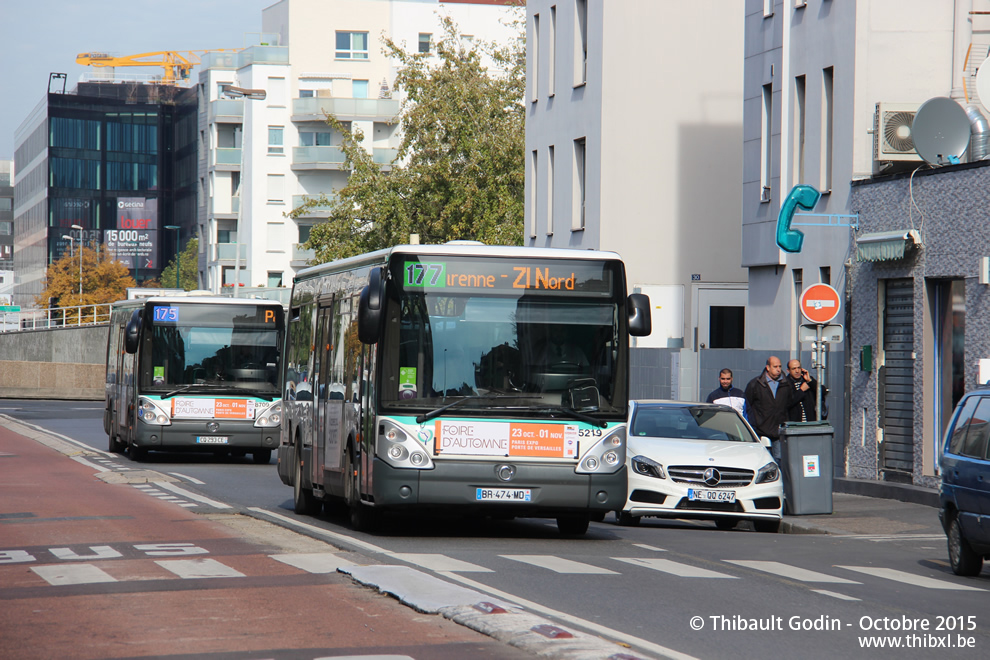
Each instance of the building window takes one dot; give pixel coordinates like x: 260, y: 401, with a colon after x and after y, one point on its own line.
x: 6, y: 228
x: 550, y: 187
x: 276, y: 94
x: 307, y: 93
x: 304, y: 233
x: 580, y: 161
x: 314, y: 139
x: 766, y: 143
x: 727, y: 327
x: 352, y: 46
x: 800, y: 125
x: 533, y: 190
x: 580, y: 42
x: 359, y: 89
x: 276, y: 186
x: 534, y: 75
x: 226, y: 236
x: 275, y: 143
x: 825, y: 275
x: 424, y: 42
x: 6, y: 204
x: 827, y: 112
x: 274, y: 279
x: 552, y: 52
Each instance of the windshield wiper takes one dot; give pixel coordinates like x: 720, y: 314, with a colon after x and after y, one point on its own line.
x: 217, y: 388
x: 594, y: 421
x: 425, y: 417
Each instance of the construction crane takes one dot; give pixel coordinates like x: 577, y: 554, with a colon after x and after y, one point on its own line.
x: 176, y: 63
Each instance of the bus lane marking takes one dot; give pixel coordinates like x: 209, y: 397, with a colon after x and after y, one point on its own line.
x: 191, y: 569
x: 59, y: 575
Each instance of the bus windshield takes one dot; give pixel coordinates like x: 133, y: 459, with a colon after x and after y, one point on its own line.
x: 217, y: 345
x: 473, y: 335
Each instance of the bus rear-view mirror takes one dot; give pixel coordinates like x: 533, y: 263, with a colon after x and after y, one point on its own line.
x: 638, y: 309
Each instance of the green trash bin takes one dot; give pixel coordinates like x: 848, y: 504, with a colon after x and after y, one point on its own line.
x: 806, y: 464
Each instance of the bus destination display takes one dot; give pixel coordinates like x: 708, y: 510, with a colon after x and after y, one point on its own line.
x: 556, y: 276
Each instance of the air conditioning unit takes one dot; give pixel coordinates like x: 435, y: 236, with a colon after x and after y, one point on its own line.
x: 892, y: 133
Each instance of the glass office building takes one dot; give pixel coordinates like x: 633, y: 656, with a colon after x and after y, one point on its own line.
x: 118, y: 160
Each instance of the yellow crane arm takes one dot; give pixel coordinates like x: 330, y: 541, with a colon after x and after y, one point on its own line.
x: 176, y: 63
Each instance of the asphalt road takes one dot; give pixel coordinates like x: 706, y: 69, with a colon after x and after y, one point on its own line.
x: 665, y: 588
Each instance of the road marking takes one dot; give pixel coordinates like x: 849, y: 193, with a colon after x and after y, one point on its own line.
x: 83, y: 461
x: 198, y: 568
x: 193, y: 496
x: 313, y: 562
x: 881, y: 538
x: 440, y: 563
x: 559, y: 565
x: 61, y: 575
x: 648, y: 547
x: 673, y: 567
x: 188, y: 478
x: 910, y: 578
x: 343, y: 538
x: 788, y: 571
x: 833, y: 594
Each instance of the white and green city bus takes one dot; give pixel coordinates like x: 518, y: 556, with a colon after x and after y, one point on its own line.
x: 196, y: 372
x: 488, y: 380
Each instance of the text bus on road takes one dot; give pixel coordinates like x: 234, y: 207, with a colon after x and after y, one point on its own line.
x: 490, y: 380
x: 196, y: 372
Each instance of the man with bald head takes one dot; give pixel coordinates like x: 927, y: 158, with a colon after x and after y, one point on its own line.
x: 768, y: 402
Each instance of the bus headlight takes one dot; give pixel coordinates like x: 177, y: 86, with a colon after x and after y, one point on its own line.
x: 400, y: 450
x: 605, y: 456
x: 151, y: 412
x: 270, y: 418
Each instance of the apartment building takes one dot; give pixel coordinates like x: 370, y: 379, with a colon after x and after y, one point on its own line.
x: 263, y: 153
x: 634, y: 138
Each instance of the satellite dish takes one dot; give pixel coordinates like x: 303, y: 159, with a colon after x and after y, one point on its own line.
x: 940, y: 131
x: 983, y: 83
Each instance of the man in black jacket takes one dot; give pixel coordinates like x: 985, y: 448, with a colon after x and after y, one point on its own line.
x: 768, y: 401
x: 805, y: 387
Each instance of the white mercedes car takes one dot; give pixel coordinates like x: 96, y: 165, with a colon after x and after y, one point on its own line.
x: 699, y: 461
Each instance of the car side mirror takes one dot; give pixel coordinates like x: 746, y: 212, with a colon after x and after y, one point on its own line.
x: 765, y: 441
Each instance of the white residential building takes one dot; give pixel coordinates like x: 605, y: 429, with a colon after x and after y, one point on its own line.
x: 262, y: 158
x: 634, y: 137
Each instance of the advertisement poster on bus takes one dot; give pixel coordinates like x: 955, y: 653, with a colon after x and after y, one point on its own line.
x: 135, y: 240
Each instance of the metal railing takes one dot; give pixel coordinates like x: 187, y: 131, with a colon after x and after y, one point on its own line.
x: 56, y: 317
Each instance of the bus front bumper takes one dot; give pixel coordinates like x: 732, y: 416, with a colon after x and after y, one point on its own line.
x: 187, y: 434
x: 552, y: 489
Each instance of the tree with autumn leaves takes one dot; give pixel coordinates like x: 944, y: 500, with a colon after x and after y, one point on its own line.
x: 103, y: 280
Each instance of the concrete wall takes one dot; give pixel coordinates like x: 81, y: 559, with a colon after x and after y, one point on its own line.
x: 67, y: 363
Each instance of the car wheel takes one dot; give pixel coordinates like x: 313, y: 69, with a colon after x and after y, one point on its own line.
x: 573, y: 525
x: 726, y: 523
x: 767, y: 526
x: 626, y: 520
x: 961, y: 557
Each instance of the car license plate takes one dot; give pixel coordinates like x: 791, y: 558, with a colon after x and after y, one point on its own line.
x: 503, y: 494
x: 211, y: 439
x: 711, y: 495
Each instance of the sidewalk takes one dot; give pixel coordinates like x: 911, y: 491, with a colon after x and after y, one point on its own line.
x: 882, y: 513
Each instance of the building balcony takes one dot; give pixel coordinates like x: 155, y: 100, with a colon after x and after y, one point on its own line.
x: 299, y: 200
x: 228, y: 252
x: 227, y: 158
x: 301, y: 257
x: 230, y: 111
x: 332, y: 158
x: 344, y: 109
x: 221, y: 207
x: 248, y: 56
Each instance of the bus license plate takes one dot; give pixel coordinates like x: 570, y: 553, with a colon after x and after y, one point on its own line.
x: 711, y: 495
x: 504, y: 494
x: 211, y: 439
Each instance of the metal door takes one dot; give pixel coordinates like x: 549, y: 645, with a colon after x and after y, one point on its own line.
x: 896, y: 378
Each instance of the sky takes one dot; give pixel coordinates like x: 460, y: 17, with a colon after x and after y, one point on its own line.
x: 39, y: 37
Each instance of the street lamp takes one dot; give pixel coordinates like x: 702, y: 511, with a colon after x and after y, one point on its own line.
x: 80, y: 260
x: 253, y: 95
x: 178, y: 255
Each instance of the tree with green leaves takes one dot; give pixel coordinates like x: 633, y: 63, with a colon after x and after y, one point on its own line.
x: 460, y: 168
x: 188, y: 268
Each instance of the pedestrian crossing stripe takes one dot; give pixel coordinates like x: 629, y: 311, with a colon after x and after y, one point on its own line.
x: 673, y: 567
x: 787, y: 571
x: 435, y: 562
x: 560, y: 565
x: 910, y: 578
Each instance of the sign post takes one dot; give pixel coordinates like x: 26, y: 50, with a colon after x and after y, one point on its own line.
x: 820, y: 304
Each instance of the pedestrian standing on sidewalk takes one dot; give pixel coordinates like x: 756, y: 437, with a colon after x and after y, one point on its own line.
x: 805, y: 387
x: 768, y: 401
x: 726, y: 394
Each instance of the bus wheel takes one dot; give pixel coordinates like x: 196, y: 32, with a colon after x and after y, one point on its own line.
x: 363, y: 517
x: 262, y: 456
x: 303, y: 500
x: 136, y: 454
x: 116, y: 447
x: 573, y: 524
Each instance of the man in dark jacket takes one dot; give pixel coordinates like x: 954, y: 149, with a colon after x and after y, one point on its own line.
x: 768, y: 401
x: 726, y: 394
x: 805, y: 388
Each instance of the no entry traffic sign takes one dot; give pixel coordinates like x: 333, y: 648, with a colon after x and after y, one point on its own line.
x: 820, y: 303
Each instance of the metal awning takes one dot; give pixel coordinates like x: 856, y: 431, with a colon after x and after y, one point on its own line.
x: 886, y: 245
